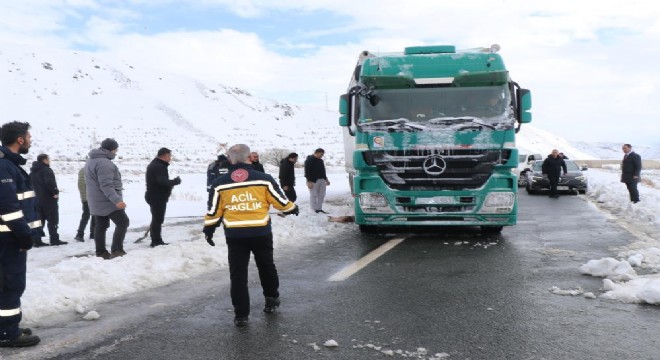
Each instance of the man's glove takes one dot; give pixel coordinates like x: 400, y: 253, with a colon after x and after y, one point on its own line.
x: 295, y: 211
x: 208, y: 234
x: 25, y: 243
x: 177, y: 180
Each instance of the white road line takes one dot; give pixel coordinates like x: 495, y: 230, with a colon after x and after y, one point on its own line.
x: 351, y: 269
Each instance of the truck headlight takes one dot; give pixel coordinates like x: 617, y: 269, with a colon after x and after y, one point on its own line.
x: 498, y: 203
x: 373, y: 200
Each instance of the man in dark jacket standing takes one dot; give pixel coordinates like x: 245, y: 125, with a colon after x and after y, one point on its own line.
x: 44, y: 184
x: 631, y: 168
x: 552, y: 166
x: 159, y: 189
x: 317, y: 180
x: 288, y: 176
x: 254, y: 159
x: 214, y: 171
x: 19, y: 223
x: 105, y: 199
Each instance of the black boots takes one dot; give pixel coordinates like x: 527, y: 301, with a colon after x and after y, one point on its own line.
x: 23, y: 340
x: 271, y: 305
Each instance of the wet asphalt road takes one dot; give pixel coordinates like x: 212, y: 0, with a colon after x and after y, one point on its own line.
x: 449, y: 291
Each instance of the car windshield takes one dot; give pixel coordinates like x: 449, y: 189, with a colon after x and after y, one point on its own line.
x: 570, y: 165
x: 424, y: 108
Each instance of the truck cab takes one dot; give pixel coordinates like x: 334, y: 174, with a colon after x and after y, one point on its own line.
x: 429, y: 136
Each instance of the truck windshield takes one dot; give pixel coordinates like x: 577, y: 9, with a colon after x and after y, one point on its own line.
x: 432, y: 107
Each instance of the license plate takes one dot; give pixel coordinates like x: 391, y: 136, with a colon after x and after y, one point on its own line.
x: 435, y: 200
x: 562, y: 188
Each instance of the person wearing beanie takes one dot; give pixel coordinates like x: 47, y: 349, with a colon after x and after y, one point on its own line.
x: 104, y: 197
x: 159, y: 189
x: 109, y: 144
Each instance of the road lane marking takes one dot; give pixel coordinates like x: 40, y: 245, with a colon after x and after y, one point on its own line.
x: 351, y: 269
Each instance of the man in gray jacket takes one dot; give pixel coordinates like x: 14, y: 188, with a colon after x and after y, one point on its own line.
x: 104, y: 197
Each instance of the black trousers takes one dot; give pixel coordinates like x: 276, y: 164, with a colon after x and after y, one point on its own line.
x: 291, y: 194
x: 12, y: 285
x: 49, y: 213
x: 120, y: 219
x: 158, y: 209
x: 632, y: 190
x: 554, y: 180
x: 83, y: 221
x: 239, y: 258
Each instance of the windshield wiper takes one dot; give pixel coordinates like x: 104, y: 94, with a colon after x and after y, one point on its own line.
x: 400, y: 124
x: 468, y: 121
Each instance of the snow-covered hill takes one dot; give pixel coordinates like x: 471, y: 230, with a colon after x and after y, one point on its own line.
x: 74, y: 100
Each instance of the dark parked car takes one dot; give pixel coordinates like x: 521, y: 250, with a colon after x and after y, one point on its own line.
x: 574, y: 180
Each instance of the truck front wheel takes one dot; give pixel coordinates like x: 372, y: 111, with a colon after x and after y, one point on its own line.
x: 491, y: 229
x: 368, y: 229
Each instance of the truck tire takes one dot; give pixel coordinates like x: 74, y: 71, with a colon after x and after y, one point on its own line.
x: 491, y: 229
x: 368, y: 229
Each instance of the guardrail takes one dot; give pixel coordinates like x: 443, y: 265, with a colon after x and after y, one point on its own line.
x: 646, y: 164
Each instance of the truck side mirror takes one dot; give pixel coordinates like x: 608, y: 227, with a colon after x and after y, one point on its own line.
x: 524, y: 106
x: 343, y: 111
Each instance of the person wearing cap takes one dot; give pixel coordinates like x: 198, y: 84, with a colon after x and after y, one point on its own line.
x: 216, y: 169
x: 45, y: 187
x: 105, y: 199
x: 317, y: 180
x: 159, y: 189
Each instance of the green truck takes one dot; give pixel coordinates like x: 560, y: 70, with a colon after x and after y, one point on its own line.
x: 429, y: 136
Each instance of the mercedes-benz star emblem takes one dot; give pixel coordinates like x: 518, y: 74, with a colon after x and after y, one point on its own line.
x: 434, y: 165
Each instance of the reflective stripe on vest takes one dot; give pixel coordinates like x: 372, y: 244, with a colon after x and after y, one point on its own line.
x: 26, y: 195
x: 32, y: 225
x: 12, y: 312
x: 12, y: 216
x: 239, y: 223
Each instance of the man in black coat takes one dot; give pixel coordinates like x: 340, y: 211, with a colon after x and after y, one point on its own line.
x: 552, y: 166
x: 288, y: 176
x: 631, y: 167
x: 254, y: 159
x: 159, y: 189
x: 45, y: 187
x: 216, y: 169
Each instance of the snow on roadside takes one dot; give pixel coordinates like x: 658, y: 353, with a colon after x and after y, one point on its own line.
x: 621, y: 281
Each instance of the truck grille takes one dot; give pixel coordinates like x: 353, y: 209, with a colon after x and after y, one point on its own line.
x: 458, y: 168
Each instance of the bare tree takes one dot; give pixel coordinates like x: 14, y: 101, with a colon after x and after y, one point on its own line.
x: 274, y: 156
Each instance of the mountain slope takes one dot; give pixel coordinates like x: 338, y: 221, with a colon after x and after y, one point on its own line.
x: 74, y: 100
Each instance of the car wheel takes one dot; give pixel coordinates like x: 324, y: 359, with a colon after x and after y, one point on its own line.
x: 522, y: 181
x: 582, y: 191
x: 530, y: 191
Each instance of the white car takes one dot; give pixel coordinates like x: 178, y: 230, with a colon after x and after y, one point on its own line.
x: 525, y: 162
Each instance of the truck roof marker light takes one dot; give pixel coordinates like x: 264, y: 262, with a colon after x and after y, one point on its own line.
x: 434, y: 81
x: 495, y: 48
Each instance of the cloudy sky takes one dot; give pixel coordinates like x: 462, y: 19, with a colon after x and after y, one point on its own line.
x: 590, y: 66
